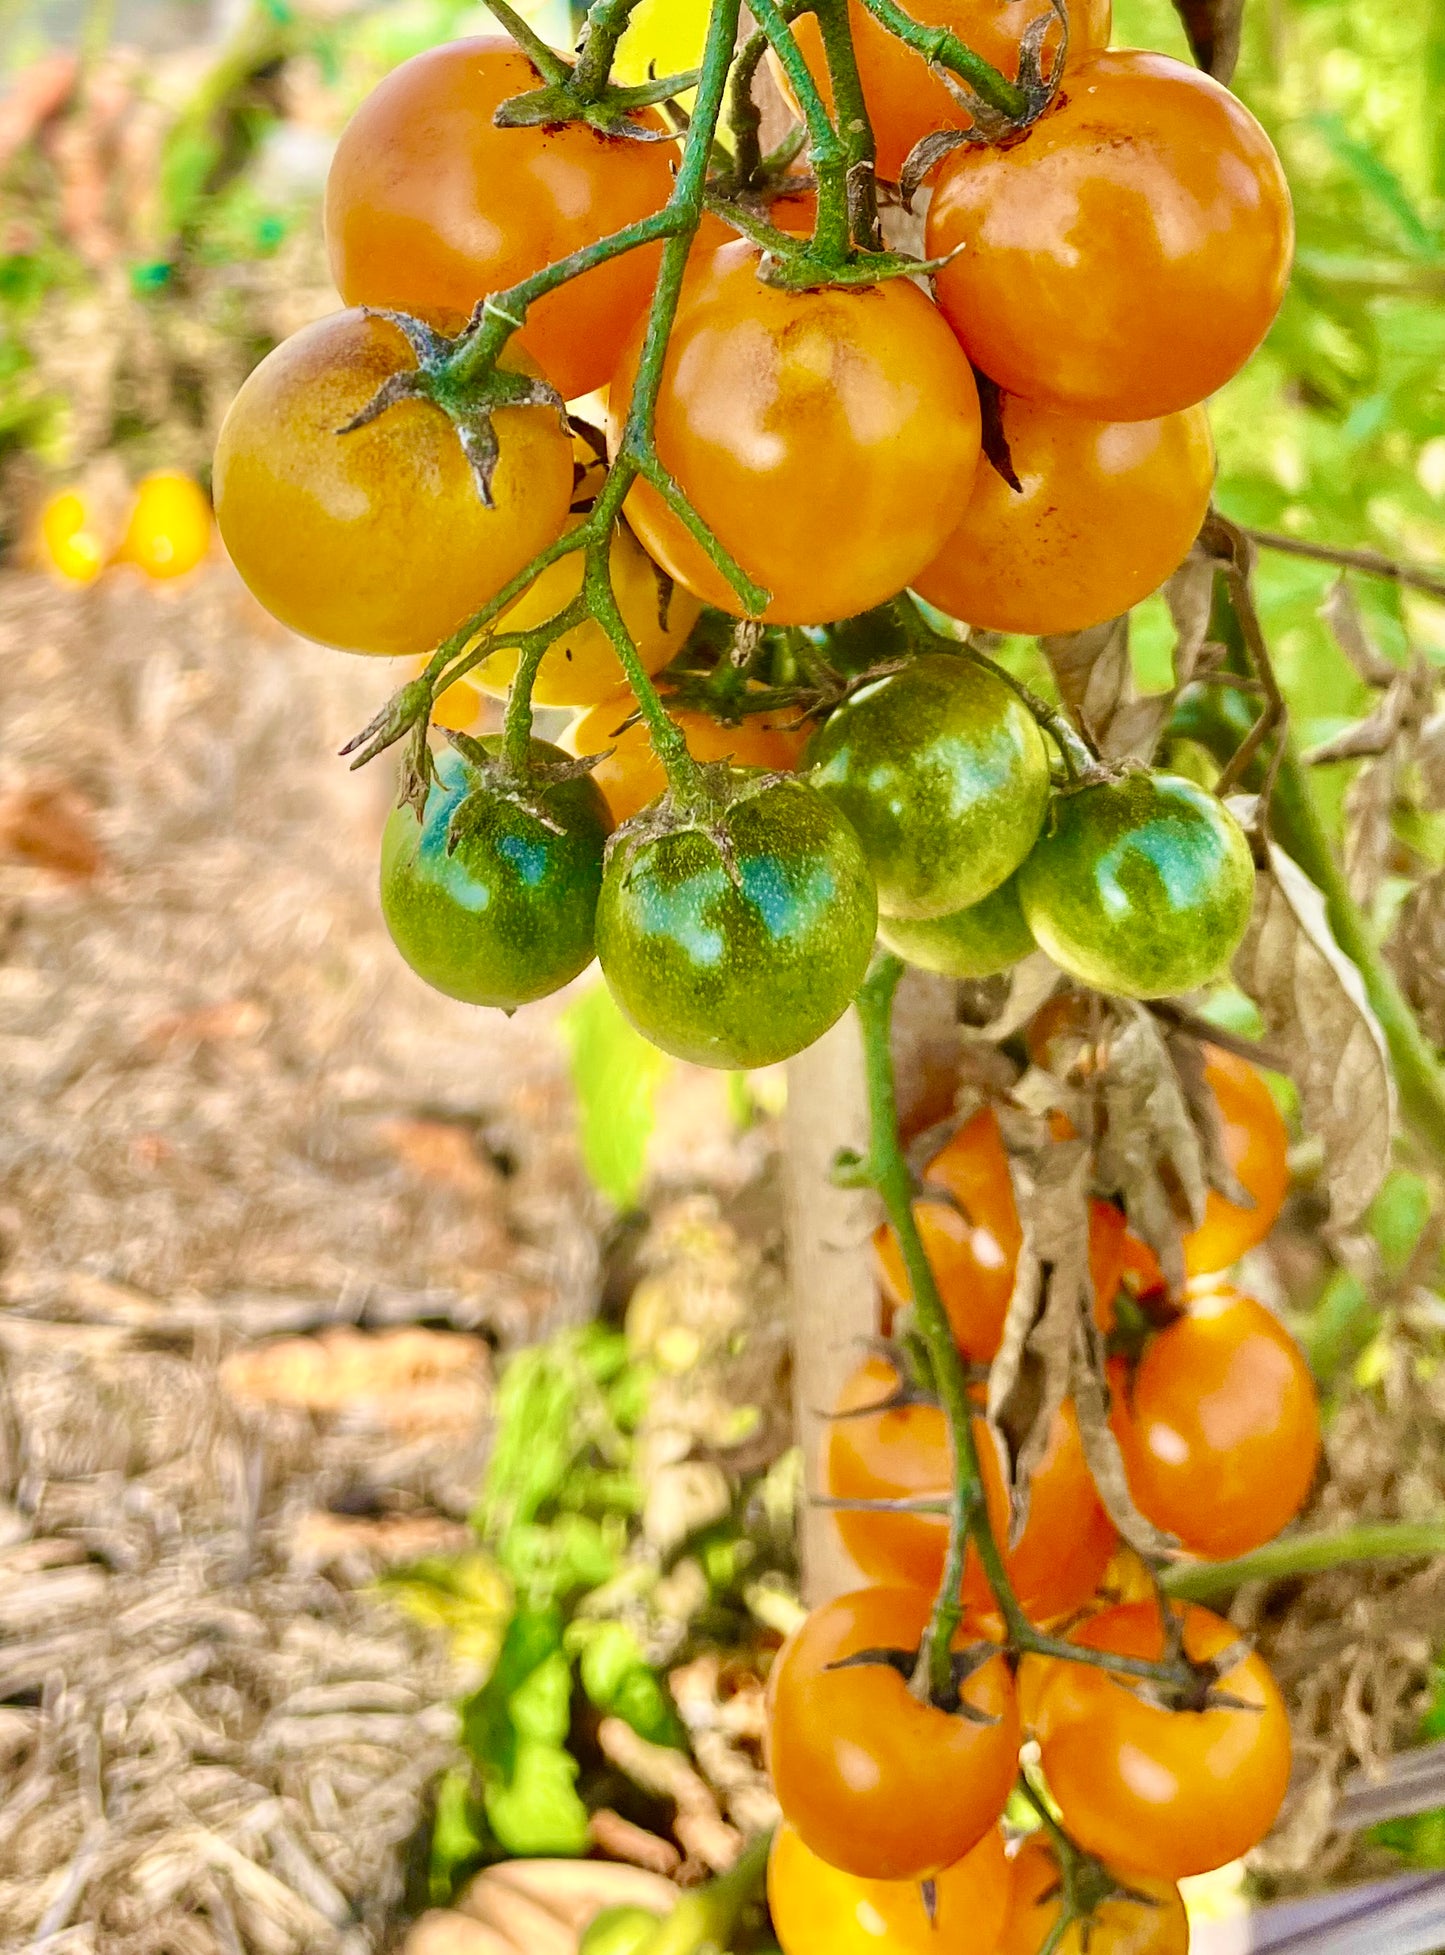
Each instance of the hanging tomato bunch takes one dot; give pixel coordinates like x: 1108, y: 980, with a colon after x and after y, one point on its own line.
x: 782, y: 756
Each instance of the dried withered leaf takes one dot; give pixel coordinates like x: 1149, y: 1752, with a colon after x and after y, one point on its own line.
x: 1188, y: 1057
x: 1093, y: 672
x: 1024, y: 991
x: 1417, y: 951
x: 1101, y: 1448
x: 1319, y: 1020
x: 1369, y: 825
x: 1148, y: 1150
x: 1342, y: 614
x: 1214, y: 28
x: 1430, y: 758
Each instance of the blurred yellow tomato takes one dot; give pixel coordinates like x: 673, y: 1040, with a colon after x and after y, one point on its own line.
x: 668, y: 34
x: 582, y: 668
x: 169, y: 531
x: 70, y: 539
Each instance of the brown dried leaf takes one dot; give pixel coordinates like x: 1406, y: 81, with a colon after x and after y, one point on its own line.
x: 1188, y: 1057
x: 1027, y: 988
x: 1342, y: 614
x: 1417, y: 951
x: 1430, y: 756
x: 1101, y: 1448
x: 1369, y: 826
x: 1214, y: 28
x: 1319, y: 1020
x: 1149, y: 1150
x: 1093, y: 673
x: 50, y: 825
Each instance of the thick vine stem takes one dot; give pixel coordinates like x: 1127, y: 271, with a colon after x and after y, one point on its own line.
x: 886, y: 1170
x: 941, y: 48
x: 855, y: 126
x: 833, y: 232
x: 1306, y: 1554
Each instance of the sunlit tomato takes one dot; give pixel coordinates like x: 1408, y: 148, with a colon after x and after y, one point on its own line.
x: 972, y: 1238
x: 826, y: 437
x: 631, y: 775
x: 877, y: 1783
x: 70, y: 540
x: 376, y: 541
x: 819, y: 1910
x: 1168, y: 1792
x: 1142, y: 886
x: 1219, y: 1426
x: 1107, y: 510
x: 904, y: 1454
x: 906, y: 101
x: 1126, y: 256
x: 169, y: 531
x: 429, y: 207
x: 1145, y: 1917
x: 1256, y: 1145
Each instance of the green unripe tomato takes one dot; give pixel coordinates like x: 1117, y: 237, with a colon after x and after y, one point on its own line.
x: 619, y: 1931
x: 978, y: 942
x: 743, y: 969
x: 1142, y: 886
x: 509, y: 917
x: 943, y: 771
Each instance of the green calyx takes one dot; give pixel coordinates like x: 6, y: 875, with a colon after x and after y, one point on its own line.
x: 491, y: 894
x: 1141, y: 886
x: 736, y: 935
x: 583, y: 91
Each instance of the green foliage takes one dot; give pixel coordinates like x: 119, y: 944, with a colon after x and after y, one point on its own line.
x: 1420, y: 1839
x: 616, y: 1074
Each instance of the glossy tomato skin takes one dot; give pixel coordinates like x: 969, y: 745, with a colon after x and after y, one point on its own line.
x: 375, y: 541
x: 972, y: 1239
x: 168, y: 533
x: 943, y: 771
x: 1256, y: 1145
x: 1146, y: 177
x: 429, y: 207
x: 1106, y: 512
x: 1142, y: 886
x: 876, y: 1783
x: 977, y: 942
x: 739, y: 969
x: 1155, y: 1924
x: 507, y: 918
x: 631, y: 776
x: 1058, y: 1562
x: 1219, y: 1425
x: 581, y: 668
x: 826, y: 437
x: 906, y: 102
x: 1169, y: 1793
x: 819, y: 1910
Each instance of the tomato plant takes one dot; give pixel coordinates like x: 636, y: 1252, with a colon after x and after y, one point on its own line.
x: 1145, y: 177
x: 875, y: 1782
x: 1143, y: 1916
x: 630, y: 774
x: 1222, y: 1399
x: 819, y: 1910
x: 1256, y: 1146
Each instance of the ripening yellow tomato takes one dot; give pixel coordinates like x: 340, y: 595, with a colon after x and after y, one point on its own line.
x: 169, y: 530
x: 70, y: 541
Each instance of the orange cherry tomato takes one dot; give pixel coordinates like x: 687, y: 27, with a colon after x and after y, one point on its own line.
x: 631, y: 774
x: 903, y: 1453
x: 819, y: 1910
x: 826, y: 437
x: 1108, y: 510
x: 430, y: 206
x: 375, y: 541
x: 906, y: 100
x: 169, y: 531
x: 1125, y: 257
x: 1167, y: 1792
x: 877, y: 1783
x: 1256, y: 1145
x: 973, y: 1239
x: 1145, y: 1917
x: 1219, y: 1426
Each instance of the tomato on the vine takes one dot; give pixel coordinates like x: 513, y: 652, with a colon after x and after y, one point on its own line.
x: 1141, y: 886
x: 430, y: 207
x: 1144, y: 1916
x: 942, y: 770
x: 376, y: 541
x: 1169, y: 1792
x: 906, y: 100
x: 507, y: 916
x: 1256, y: 1146
x: 168, y: 532
x: 976, y: 942
x: 972, y: 1239
x: 817, y: 1909
x: 875, y: 1781
x: 825, y: 437
x: 1127, y: 254
x: 1104, y: 512
x: 903, y: 1453
x: 630, y: 774
x: 738, y: 943
x: 1221, y: 1400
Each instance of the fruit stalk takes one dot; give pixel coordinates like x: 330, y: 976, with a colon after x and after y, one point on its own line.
x: 833, y: 233
x: 943, y: 49
x: 855, y: 127
x: 1305, y: 1554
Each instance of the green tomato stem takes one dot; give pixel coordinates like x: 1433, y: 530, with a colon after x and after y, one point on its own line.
x: 706, y: 1918
x: 833, y: 232
x: 532, y: 648
x: 606, y: 24
x: 854, y: 124
x: 943, y: 49
x: 553, y: 67
x: 1306, y: 1554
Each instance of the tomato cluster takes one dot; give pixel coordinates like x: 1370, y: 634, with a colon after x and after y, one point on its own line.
x: 1023, y: 446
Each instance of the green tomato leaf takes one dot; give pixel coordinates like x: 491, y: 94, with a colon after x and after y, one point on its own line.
x: 537, y: 1814
x: 541, y: 1707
